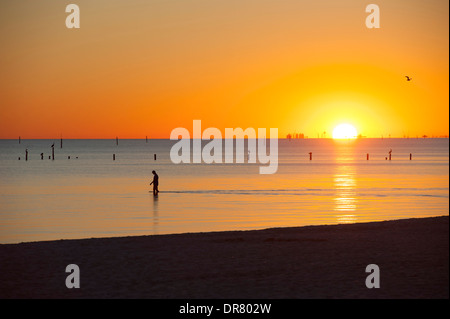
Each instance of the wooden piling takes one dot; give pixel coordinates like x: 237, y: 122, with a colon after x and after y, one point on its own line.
x: 26, y: 154
x: 367, y: 156
x: 114, y: 157
x: 53, y: 153
x: 61, y: 143
x: 410, y: 156
x: 154, y: 157
x: 310, y: 156
x: 42, y: 156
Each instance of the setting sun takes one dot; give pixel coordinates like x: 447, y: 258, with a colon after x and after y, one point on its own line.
x: 344, y: 131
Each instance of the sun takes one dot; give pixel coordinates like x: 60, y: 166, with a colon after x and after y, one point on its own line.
x: 344, y: 131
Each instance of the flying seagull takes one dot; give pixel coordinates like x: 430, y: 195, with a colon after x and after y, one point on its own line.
x: 408, y: 78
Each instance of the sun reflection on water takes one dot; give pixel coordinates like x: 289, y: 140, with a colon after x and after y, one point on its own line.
x: 345, y: 198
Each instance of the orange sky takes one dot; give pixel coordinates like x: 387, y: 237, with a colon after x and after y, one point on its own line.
x: 142, y: 68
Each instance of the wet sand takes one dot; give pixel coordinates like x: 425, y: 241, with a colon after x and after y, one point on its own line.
x: 278, y: 263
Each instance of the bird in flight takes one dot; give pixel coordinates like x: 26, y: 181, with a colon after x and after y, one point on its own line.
x: 408, y: 78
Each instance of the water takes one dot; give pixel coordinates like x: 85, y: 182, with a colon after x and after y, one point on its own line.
x: 94, y: 196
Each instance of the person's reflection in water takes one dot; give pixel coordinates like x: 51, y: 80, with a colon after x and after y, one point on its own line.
x: 155, y: 214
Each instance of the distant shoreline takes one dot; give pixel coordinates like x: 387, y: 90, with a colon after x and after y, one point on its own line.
x: 326, y: 261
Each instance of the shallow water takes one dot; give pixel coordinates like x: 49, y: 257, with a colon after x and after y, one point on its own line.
x: 96, y: 196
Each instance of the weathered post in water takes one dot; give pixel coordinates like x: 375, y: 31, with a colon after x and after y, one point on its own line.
x: 310, y: 156
x: 410, y: 156
x: 114, y: 157
x: 154, y: 157
x: 26, y: 154
x: 42, y: 156
x: 61, y: 142
x: 53, y: 152
x: 367, y: 156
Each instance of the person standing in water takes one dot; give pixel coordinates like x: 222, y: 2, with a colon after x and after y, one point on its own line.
x: 155, y: 183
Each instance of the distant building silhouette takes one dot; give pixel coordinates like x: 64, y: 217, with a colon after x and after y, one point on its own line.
x: 295, y: 136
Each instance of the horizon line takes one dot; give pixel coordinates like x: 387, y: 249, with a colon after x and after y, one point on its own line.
x: 279, y: 138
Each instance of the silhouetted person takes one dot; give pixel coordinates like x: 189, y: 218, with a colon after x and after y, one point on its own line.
x: 155, y: 183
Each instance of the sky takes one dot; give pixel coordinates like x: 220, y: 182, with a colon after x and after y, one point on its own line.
x: 143, y: 68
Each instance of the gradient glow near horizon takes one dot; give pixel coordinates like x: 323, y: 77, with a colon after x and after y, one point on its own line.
x: 142, y: 68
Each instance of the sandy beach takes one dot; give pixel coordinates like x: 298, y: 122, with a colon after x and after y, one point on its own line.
x: 279, y: 263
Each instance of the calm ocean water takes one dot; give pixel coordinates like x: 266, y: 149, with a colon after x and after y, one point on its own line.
x: 90, y: 195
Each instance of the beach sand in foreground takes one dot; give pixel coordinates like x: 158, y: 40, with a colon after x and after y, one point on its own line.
x: 299, y: 262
